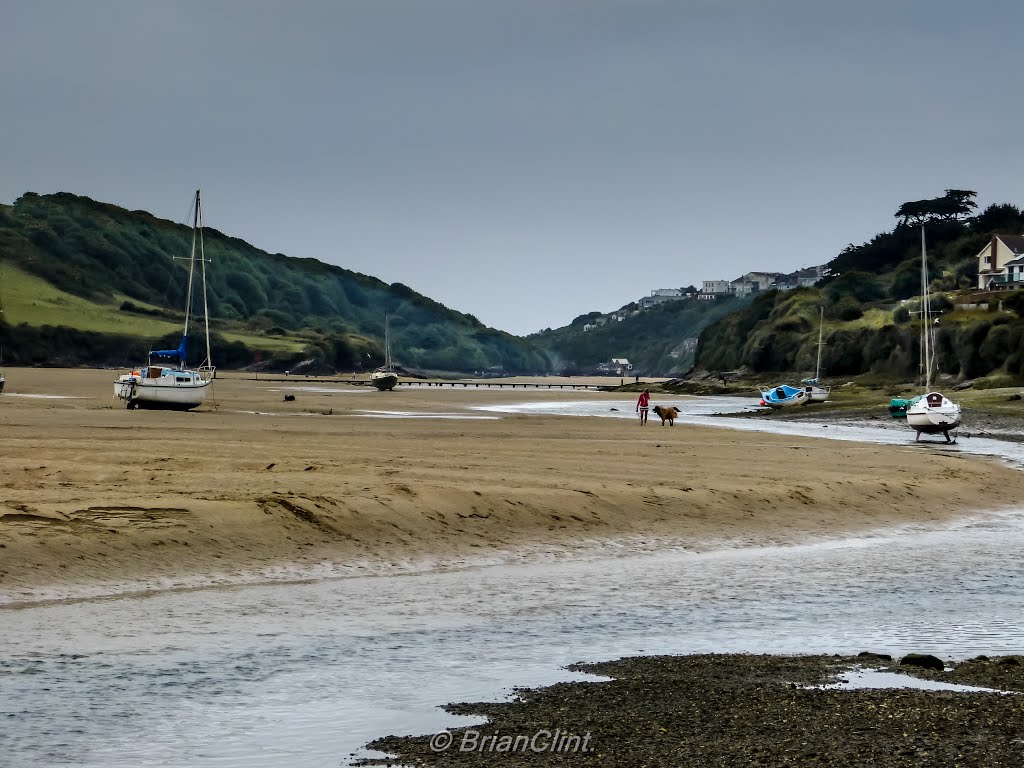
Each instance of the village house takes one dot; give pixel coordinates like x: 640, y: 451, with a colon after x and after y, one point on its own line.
x: 660, y: 295
x: 714, y: 288
x: 753, y: 282
x: 1000, y: 263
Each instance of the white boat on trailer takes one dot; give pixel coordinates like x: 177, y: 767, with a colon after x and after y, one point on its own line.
x: 180, y: 387
x: 933, y: 413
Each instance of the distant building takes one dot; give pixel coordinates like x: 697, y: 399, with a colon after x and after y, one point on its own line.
x: 660, y: 295
x: 711, y: 289
x: 802, y: 278
x: 621, y: 365
x: 999, y: 263
x: 753, y: 282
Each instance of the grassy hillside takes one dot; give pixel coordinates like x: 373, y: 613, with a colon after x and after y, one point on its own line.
x: 659, y: 341
x: 871, y: 299
x: 68, y: 262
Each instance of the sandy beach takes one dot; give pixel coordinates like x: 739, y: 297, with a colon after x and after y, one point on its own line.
x: 93, y: 494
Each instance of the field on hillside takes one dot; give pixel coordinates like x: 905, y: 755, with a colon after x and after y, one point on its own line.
x: 28, y: 299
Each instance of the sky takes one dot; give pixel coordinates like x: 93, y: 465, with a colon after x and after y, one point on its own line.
x: 525, y: 161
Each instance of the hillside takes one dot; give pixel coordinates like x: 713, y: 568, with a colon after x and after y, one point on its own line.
x: 870, y: 300
x: 659, y: 341
x: 88, y: 282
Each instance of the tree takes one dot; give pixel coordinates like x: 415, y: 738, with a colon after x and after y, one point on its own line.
x: 1001, y: 217
x: 960, y: 202
x: 913, y: 212
x: 951, y: 206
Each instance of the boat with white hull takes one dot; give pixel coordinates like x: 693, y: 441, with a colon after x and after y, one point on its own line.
x: 155, y: 386
x: 816, y: 393
x: 933, y: 413
x: 784, y: 396
x: 385, y: 378
x: 179, y: 387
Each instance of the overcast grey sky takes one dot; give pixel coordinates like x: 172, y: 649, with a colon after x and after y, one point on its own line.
x: 522, y: 160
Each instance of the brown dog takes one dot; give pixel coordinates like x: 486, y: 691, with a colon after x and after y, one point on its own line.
x: 668, y: 414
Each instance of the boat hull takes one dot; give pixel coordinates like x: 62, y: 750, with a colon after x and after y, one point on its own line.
x: 784, y: 396
x: 384, y: 380
x: 163, y: 393
x: 817, y: 394
x: 2, y: 382
x: 933, y: 414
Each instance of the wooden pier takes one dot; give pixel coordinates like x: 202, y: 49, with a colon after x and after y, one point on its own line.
x: 426, y: 383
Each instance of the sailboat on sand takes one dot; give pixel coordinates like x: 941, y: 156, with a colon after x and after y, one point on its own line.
x: 385, y: 378
x: 933, y: 412
x: 174, y: 385
x: 816, y: 393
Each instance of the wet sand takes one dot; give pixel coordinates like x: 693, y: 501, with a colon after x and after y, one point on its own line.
x: 738, y: 710
x: 992, y: 413
x: 91, y: 493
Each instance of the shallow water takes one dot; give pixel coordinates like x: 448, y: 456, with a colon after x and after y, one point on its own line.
x: 305, y: 673
x: 41, y: 397
x: 708, y: 411
x: 866, y: 679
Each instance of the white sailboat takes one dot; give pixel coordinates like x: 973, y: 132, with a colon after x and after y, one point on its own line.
x: 815, y: 392
x: 176, y: 385
x: 385, y: 378
x: 933, y: 412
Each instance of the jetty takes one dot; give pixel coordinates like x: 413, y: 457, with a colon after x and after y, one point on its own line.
x: 428, y: 383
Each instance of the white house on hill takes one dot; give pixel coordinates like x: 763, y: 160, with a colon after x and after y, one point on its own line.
x: 660, y: 295
x: 999, y: 264
x: 712, y: 288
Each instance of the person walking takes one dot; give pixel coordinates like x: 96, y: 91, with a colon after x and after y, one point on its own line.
x: 643, y: 404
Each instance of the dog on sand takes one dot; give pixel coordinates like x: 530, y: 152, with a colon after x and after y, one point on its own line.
x: 668, y: 414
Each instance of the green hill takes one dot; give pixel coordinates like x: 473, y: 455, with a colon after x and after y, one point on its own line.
x: 88, y: 282
x: 870, y: 298
x: 659, y: 341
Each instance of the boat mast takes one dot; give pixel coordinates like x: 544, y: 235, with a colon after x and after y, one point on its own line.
x: 191, y: 269
x: 926, y: 330
x: 202, y: 259
x: 387, y: 344
x: 821, y: 328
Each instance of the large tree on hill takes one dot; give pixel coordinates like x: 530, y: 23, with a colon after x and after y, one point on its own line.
x: 952, y: 205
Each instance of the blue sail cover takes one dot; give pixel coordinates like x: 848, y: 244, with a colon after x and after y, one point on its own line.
x: 173, y: 354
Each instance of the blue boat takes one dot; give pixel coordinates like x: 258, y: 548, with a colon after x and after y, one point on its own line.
x: 784, y: 396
